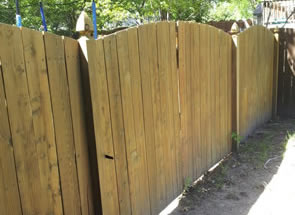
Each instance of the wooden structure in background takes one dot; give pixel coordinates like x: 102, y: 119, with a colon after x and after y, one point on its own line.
x: 44, y: 149
x: 286, y: 76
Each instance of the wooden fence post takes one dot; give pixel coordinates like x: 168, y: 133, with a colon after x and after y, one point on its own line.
x: 275, y: 73
x: 85, y: 28
x: 235, y: 110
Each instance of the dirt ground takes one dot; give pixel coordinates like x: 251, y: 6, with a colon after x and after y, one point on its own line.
x: 260, y: 180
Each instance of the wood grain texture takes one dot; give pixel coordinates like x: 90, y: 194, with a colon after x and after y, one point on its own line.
x: 147, y: 39
x: 61, y: 108
x: 78, y: 111
x: 39, y: 93
x: 115, y: 97
x: 21, y: 121
x: 9, y: 195
x: 255, y: 53
x: 103, y: 128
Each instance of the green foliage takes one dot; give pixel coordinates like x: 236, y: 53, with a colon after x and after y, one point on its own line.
x: 187, y: 183
x: 61, y: 15
x: 233, y: 9
x: 237, y: 138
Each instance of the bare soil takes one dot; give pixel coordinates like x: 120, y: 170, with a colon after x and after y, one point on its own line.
x: 249, y: 182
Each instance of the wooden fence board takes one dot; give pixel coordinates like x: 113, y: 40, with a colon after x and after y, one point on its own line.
x: 63, y: 123
x: 151, y: 103
x: 102, y: 126
x: 113, y: 80
x: 204, y: 78
x: 79, y: 126
x: 196, y: 92
x: 229, y: 94
x: 214, y: 46
x: 9, y: 195
x: 176, y: 104
x: 21, y: 122
x: 183, y: 100
x: 39, y: 94
x: 167, y: 107
x: 139, y: 120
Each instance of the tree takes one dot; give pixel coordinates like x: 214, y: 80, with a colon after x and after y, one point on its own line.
x: 61, y: 15
x: 233, y: 9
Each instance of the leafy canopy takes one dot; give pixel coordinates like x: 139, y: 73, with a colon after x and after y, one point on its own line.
x: 61, y: 15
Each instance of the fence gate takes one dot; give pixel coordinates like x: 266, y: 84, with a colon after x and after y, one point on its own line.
x: 255, y: 57
x: 158, y: 125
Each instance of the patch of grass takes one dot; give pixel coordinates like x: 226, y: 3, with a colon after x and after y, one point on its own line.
x: 259, y: 150
x: 221, y: 176
x: 187, y: 183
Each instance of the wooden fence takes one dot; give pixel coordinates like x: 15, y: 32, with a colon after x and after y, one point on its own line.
x: 255, y: 71
x: 156, y: 126
x: 286, y: 83
x: 165, y: 100
x: 44, y: 162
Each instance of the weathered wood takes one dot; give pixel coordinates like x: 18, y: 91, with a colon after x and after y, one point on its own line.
x: 102, y: 126
x: 115, y: 97
x: 39, y: 93
x: 9, y: 191
x: 152, y: 111
x: 163, y: 31
x: 78, y: 109
x: 21, y: 121
x: 254, y: 78
x: 61, y: 108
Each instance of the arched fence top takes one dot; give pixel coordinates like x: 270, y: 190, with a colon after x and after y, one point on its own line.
x: 256, y: 29
x: 211, y: 28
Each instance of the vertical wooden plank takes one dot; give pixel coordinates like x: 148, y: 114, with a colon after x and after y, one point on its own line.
x: 229, y: 96
x: 61, y: 107
x: 188, y: 86
x: 152, y: 109
x: 79, y: 125
x: 87, y: 104
x: 214, y: 91
x: 167, y: 106
x: 176, y: 103
x: 234, y: 86
x: 218, y: 102
x: 113, y: 80
x: 185, y: 96
x: 39, y: 93
x: 9, y: 195
x: 102, y: 126
x: 196, y: 91
x: 222, y: 94
x: 225, y: 102
x: 183, y: 68
x: 134, y: 59
x: 21, y: 122
x: 204, y: 77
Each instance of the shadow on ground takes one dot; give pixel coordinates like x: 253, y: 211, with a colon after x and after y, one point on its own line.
x: 244, y: 184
